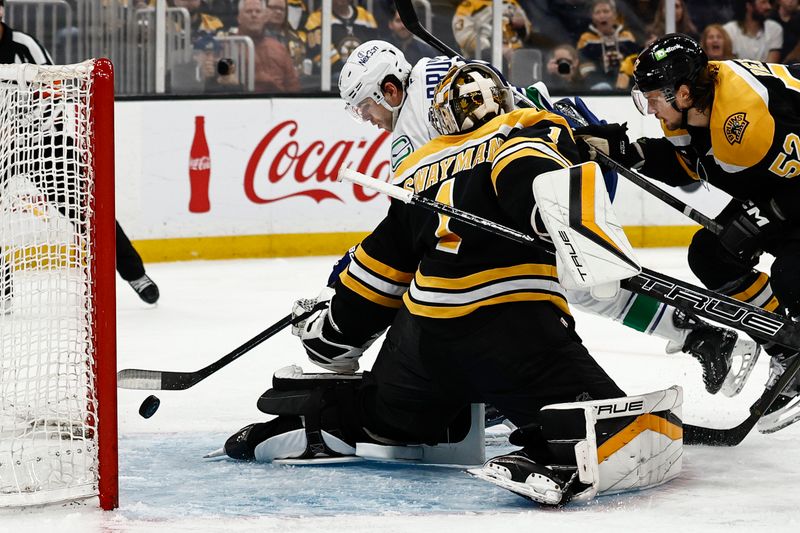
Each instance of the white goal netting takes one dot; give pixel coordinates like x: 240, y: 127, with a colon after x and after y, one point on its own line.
x: 48, y: 401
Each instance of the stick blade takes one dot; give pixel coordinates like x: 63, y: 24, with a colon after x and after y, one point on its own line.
x: 133, y: 378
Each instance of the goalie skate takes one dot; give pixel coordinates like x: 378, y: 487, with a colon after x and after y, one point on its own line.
x: 521, y: 475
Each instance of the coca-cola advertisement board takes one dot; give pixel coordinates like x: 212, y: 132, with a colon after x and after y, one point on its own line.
x: 228, y: 167
x: 247, y: 167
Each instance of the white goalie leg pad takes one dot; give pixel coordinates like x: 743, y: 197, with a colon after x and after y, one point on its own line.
x: 591, y: 248
x: 640, y: 443
x: 294, y: 444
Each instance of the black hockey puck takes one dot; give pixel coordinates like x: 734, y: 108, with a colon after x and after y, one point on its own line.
x: 149, y: 406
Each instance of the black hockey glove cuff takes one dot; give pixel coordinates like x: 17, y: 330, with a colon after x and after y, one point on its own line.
x: 745, y: 226
x: 612, y: 140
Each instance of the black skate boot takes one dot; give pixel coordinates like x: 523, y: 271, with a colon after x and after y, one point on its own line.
x: 785, y: 410
x: 727, y: 360
x: 146, y: 289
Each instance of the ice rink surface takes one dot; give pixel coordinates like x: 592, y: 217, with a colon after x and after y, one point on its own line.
x: 209, y: 308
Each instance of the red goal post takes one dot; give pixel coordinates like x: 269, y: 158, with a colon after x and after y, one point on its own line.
x: 58, y: 406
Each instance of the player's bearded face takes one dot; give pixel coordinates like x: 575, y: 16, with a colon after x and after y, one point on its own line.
x: 370, y: 111
x: 654, y: 103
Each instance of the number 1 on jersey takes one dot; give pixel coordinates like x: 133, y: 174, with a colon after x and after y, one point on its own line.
x: 448, y: 241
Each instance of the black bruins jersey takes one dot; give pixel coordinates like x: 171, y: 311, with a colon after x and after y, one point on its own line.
x: 751, y: 148
x: 443, y: 269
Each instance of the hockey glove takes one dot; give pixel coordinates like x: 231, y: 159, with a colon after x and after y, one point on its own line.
x: 612, y: 140
x: 324, y: 343
x: 744, y: 228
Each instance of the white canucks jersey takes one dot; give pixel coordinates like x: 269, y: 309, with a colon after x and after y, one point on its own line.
x: 413, y: 129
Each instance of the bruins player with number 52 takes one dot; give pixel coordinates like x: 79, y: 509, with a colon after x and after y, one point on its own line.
x: 735, y: 124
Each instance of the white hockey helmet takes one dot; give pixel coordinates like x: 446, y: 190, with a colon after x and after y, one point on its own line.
x: 467, y: 96
x: 365, y: 71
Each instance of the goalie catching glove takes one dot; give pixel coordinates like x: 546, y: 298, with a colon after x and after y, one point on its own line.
x: 322, y: 339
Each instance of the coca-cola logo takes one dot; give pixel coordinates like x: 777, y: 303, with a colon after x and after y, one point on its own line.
x: 280, y: 156
x: 200, y: 163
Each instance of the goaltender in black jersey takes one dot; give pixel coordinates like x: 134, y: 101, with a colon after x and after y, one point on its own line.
x: 474, y: 318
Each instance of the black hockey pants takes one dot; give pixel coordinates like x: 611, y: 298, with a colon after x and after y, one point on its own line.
x: 518, y: 357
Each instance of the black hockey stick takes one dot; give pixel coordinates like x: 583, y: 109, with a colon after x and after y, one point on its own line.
x: 405, y: 8
x: 133, y: 378
x: 735, y: 435
x: 637, y: 179
x: 702, y: 302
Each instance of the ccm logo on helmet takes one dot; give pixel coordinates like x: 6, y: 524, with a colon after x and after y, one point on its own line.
x: 364, y: 56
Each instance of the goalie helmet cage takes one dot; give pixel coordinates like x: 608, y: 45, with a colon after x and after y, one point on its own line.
x: 58, y: 405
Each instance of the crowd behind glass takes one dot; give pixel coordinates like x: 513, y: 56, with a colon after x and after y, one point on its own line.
x: 275, y: 46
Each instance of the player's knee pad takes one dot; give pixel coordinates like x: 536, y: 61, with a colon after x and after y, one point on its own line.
x: 616, y: 445
x: 325, y: 405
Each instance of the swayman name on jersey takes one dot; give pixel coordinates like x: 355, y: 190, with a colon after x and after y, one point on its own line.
x: 440, y: 268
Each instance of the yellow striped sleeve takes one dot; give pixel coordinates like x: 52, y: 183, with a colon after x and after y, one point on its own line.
x: 365, y: 292
x: 382, y: 269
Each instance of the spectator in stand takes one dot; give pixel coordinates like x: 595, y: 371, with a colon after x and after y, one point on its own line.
x: 755, y: 36
x: 200, y: 21
x: 683, y: 22
x: 603, y: 47
x: 563, y: 70
x: 275, y: 70
x: 351, y: 26
x: 225, y: 10
x: 413, y: 49
x: 788, y: 16
x: 276, y: 25
x: 716, y: 43
x: 207, y: 65
x: 472, y: 27
x: 250, y: 19
x: 297, y: 14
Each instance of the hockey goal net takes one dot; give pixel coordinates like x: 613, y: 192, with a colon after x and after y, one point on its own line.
x: 58, y: 427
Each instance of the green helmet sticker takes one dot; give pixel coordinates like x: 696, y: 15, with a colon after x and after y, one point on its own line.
x: 660, y: 54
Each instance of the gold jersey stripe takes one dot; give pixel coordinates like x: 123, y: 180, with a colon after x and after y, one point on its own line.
x: 486, y: 276
x: 455, y: 311
x: 356, y: 286
x: 634, y: 429
x: 502, y: 160
x: 383, y: 269
x: 750, y: 292
x: 771, y: 305
x: 783, y: 73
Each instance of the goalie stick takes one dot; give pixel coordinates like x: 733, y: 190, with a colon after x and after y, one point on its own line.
x: 140, y: 379
x: 702, y: 302
x: 405, y: 8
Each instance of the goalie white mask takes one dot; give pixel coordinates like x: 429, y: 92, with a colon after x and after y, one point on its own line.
x: 365, y: 71
x: 467, y: 96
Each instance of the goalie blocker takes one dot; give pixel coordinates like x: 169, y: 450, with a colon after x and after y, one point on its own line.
x: 583, y: 449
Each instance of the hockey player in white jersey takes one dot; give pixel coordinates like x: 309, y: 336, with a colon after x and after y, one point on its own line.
x: 379, y: 86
